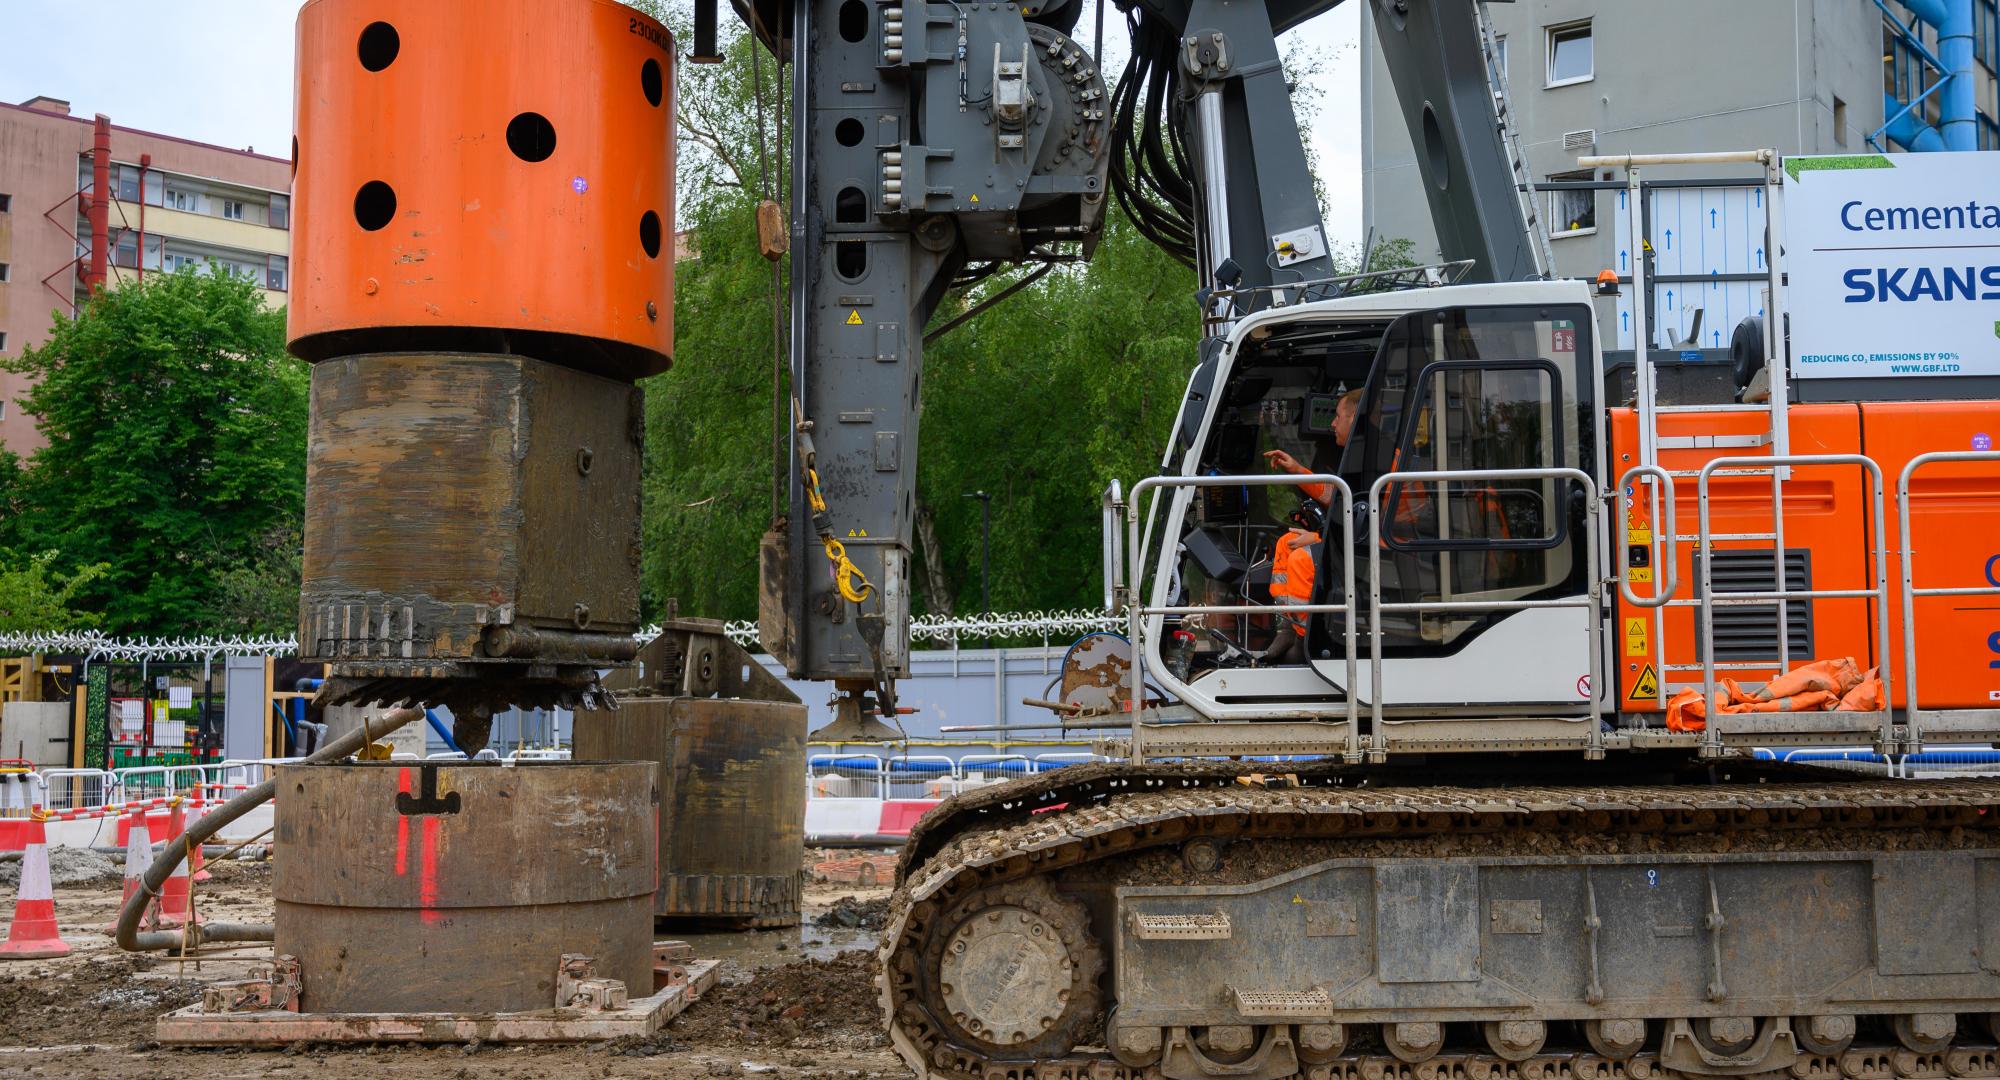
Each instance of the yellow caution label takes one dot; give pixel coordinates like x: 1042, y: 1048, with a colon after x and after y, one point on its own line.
x: 854, y: 317
x: 1646, y: 686
x: 852, y: 533
x: 1635, y: 637
x: 1638, y: 536
x: 975, y: 198
x: 1640, y: 575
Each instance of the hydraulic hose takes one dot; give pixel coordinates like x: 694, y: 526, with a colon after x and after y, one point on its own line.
x: 200, y: 829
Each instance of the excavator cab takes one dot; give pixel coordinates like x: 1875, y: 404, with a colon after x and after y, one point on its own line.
x: 1469, y: 386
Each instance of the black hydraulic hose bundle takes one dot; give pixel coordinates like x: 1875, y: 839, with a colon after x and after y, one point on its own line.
x: 200, y: 829
x: 1149, y: 162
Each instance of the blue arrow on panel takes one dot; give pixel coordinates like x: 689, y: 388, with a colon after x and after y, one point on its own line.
x: 1711, y: 217
x: 1625, y: 320
x: 1670, y: 239
x: 1760, y: 256
x: 1718, y: 339
x: 1621, y: 200
x: 1760, y: 197
x: 1670, y: 298
x: 1621, y: 258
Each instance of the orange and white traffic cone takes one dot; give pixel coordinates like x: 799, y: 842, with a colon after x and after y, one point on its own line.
x: 195, y: 871
x: 138, y: 856
x: 33, y: 935
x: 175, y: 905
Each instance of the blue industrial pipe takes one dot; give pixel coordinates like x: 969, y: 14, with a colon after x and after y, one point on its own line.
x: 444, y: 733
x: 1907, y: 130
x: 1958, y: 99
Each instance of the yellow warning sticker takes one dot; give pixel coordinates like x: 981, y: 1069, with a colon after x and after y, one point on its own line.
x: 854, y: 317
x: 975, y: 198
x: 1635, y: 637
x: 1640, y: 575
x: 1646, y: 686
x: 1638, y: 536
x: 852, y: 533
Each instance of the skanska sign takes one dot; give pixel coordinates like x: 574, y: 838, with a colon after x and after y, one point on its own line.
x: 1894, y: 265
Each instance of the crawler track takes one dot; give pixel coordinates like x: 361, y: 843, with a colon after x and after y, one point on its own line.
x: 1107, y: 826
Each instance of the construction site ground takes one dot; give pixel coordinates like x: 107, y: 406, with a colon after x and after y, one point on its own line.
x: 791, y: 1003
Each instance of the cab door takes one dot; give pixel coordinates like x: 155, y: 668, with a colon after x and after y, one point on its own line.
x: 1474, y: 389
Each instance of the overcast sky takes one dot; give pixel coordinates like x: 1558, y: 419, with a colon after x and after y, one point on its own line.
x: 220, y: 71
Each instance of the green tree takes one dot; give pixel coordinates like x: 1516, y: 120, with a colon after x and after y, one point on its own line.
x: 176, y: 440
x: 34, y: 597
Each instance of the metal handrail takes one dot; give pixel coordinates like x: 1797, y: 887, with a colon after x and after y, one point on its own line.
x: 1916, y: 716
x: 1590, y: 601
x: 1113, y: 503
x: 1666, y: 547
x: 1138, y: 611
x: 1752, y: 466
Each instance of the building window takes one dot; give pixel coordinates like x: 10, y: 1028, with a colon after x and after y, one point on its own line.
x: 274, y: 273
x: 1499, y: 72
x: 179, y: 200
x: 1572, y: 213
x: 6, y: 203
x: 128, y: 183
x: 1839, y: 122
x: 6, y: 273
x: 3, y: 341
x: 1570, y: 58
x: 281, y: 212
x: 232, y: 209
x: 126, y: 253
x: 3, y: 401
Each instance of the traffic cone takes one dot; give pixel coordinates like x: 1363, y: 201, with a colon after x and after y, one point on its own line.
x: 175, y: 905
x: 138, y: 855
x: 195, y: 871
x: 33, y: 935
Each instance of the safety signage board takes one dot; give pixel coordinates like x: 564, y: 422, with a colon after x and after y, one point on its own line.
x: 1635, y: 636
x: 1646, y: 686
x: 1894, y: 265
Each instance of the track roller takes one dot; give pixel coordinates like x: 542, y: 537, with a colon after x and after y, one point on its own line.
x: 1727, y: 1035
x: 1134, y: 1045
x: 1515, y: 1040
x: 1617, y: 1039
x: 1823, y: 1035
x: 1413, y: 1042
x: 1925, y: 1033
x: 1321, y: 1043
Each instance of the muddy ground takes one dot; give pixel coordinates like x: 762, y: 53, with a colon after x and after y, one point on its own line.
x: 793, y: 1004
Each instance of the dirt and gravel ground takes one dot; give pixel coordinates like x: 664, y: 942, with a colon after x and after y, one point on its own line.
x: 792, y: 1005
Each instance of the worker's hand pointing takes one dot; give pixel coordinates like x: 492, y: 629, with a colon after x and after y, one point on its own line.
x: 1283, y: 462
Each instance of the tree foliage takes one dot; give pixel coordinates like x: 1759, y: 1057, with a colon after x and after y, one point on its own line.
x: 176, y: 441
x: 35, y: 597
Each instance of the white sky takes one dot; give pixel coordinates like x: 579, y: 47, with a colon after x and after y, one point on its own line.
x: 220, y: 71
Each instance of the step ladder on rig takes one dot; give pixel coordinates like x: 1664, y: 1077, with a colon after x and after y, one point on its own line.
x: 1510, y: 139
x: 1766, y: 453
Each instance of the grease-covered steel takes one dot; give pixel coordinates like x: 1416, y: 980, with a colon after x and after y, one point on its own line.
x: 472, y: 528
x: 732, y: 805
x: 458, y: 886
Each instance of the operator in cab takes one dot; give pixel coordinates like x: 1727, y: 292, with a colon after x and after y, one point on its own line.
x: 1295, y: 556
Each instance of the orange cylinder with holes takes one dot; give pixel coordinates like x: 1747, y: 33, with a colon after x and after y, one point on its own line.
x: 484, y: 175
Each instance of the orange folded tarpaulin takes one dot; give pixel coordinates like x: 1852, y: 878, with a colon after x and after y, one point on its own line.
x: 1813, y: 687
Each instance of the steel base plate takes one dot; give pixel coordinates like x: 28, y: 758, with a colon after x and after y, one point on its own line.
x: 642, y: 1016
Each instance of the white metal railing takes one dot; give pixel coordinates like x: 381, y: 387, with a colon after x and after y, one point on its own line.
x: 1707, y: 601
x: 1919, y: 719
x: 1139, y: 614
x: 1589, y: 600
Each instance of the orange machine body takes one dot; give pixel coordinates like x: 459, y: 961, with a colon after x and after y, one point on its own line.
x: 494, y: 176
x: 1829, y: 528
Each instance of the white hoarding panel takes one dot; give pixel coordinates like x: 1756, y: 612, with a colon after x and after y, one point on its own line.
x: 1894, y: 262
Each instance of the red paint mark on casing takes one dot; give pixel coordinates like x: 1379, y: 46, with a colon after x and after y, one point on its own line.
x: 427, y: 882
